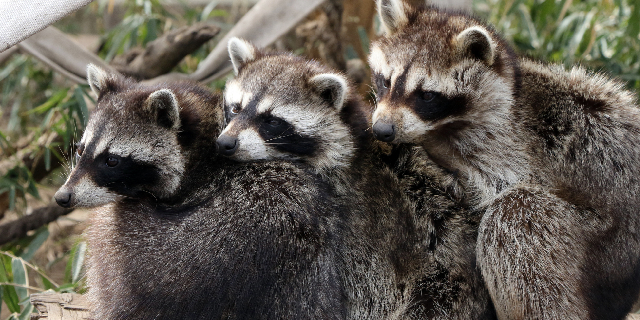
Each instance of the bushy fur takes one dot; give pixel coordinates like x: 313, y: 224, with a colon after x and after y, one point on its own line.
x: 449, y: 285
x: 323, y: 127
x: 438, y: 261
x: 230, y: 241
x: 551, y: 154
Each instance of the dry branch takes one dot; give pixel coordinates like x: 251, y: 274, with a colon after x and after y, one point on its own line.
x: 164, y: 53
x: 60, y: 306
x: 39, y: 217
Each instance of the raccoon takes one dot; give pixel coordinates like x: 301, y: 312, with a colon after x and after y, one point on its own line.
x: 550, y: 154
x: 328, y: 132
x: 284, y: 107
x: 182, y: 233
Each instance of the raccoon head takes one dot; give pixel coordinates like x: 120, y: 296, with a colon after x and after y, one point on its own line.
x: 129, y: 148
x: 281, y: 106
x: 436, y: 73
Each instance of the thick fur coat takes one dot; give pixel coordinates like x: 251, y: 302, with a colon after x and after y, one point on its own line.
x: 324, y: 126
x: 550, y: 154
x: 283, y: 107
x: 183, y: 233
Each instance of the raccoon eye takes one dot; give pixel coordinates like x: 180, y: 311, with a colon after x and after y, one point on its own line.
x: 235, y: 108
x: 382, y: 86
x: 428, y: 96
x: 112, y: 161
x: 273, y: 122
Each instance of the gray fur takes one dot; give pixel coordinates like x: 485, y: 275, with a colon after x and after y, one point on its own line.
x: 449, y: 285
x: 164, y: 100
x: 437, y: 265
x: 214, y: 240
x: 376, y: 239
x: 551, y: 154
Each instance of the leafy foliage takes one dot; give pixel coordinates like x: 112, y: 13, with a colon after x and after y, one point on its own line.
x: 602, y: 35
x: 16, y: 270
x: 45, y: 131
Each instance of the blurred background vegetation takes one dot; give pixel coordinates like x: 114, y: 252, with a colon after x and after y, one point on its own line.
x: 37, y: 103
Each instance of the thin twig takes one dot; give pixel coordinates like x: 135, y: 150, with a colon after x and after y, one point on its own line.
x: 22, y: 286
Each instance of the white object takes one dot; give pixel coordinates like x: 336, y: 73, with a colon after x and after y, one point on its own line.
x: 19, y: 19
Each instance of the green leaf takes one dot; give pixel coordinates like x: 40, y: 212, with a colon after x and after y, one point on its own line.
x: 20, y: 277
x: 52, y: 102
x: 564, y: 25
x: 78, y: 261
x: 40, y: 237
x: 67, y: 287
x: 31, y: 187
x: 547, y: 10
x: 530, y: 27
x: 84, y: 111
x: 350, y: 52
x: 9, y: 295
x: 6, y: 144
x: 85, y: 89
x: 634, y: 21
x: 47, y: 118
x: 12, y: 197
x: 579, y: 33
x: 152, y: 30
x: 13, y: 65
x: 26, y: 313
x: 46, y: 283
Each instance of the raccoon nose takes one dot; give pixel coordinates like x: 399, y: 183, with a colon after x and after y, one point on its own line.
x: 227, y: 145
x: 384, y: 131
x: 63, y: 198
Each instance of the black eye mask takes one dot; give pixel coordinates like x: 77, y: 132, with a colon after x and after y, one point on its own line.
x: 431, y: 106
x: 282, y: 135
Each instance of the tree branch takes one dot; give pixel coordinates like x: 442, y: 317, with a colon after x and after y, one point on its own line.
x: 162, y: 54
x: 39, y: 217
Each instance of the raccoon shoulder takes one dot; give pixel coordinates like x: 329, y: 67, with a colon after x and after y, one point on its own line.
x: 547, y: 87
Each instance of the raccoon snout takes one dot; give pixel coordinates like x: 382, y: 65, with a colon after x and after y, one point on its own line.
x: 63, y: 198
x: 385, y: 132
x: 227, y: 145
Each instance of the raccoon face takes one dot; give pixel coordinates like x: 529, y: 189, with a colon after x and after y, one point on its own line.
x: 433, y: 72
x: 283, y: 107
x: 129, y: 148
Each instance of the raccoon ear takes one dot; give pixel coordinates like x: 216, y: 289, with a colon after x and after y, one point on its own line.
x: 477, y: 42
x: 393, y: 15
x: 97, y: 79
x: 332, y: 88
x: 164, y: 105
x: 241, y: 52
